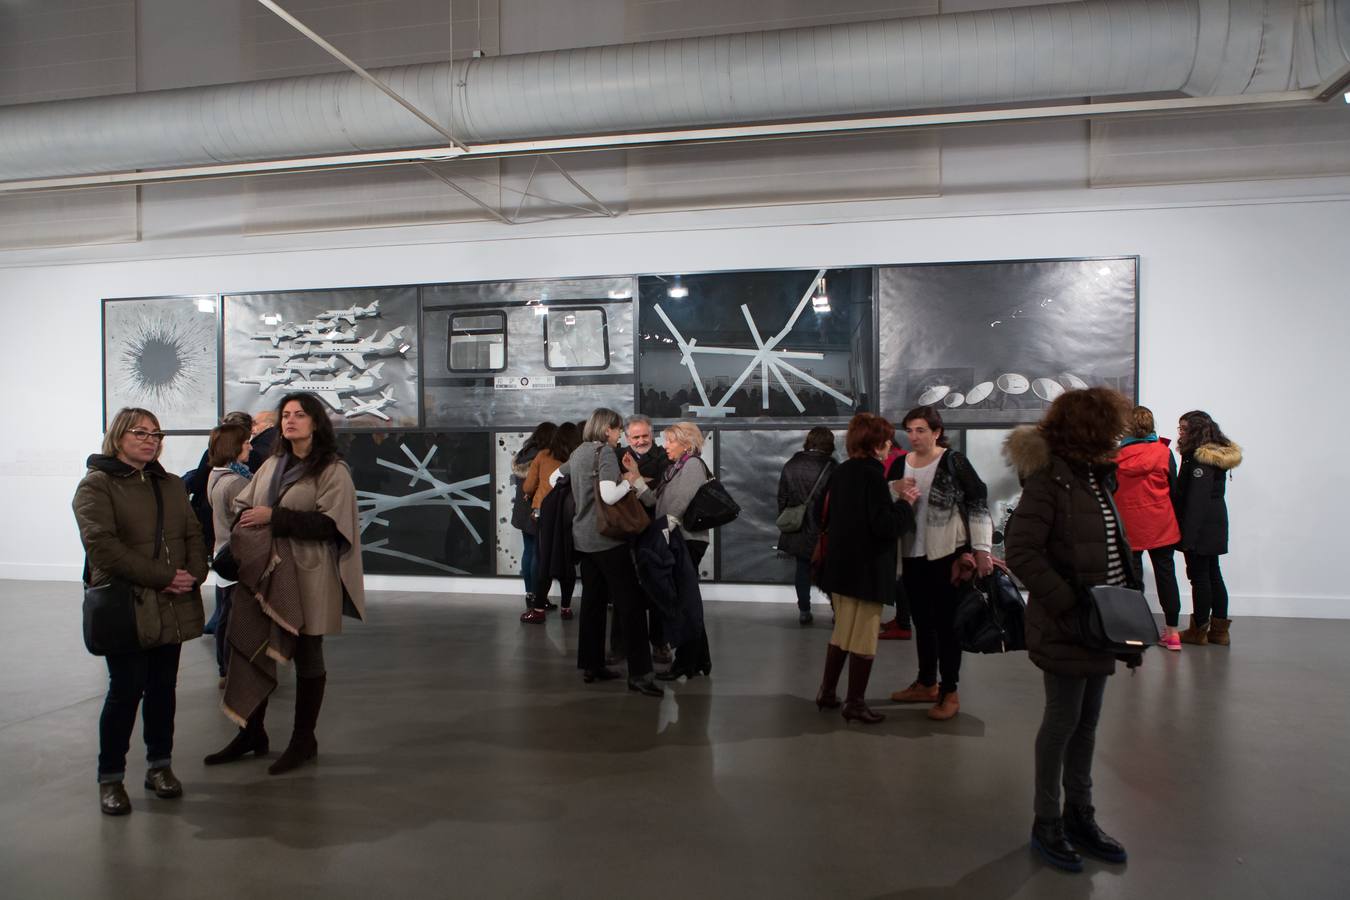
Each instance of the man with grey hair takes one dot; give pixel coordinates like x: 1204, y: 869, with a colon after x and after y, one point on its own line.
x: 651, y: 459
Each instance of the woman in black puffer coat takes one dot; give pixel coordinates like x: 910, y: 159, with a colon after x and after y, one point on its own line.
x: 1064, y: 537
x: 802, y: 480
x: 1207, y: 458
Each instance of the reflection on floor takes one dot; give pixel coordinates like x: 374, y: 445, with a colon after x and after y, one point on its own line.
x: 461, y: 756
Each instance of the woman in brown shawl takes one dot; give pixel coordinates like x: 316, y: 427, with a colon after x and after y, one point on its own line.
x: 298, y: 545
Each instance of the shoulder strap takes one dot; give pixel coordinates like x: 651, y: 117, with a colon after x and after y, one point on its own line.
x: 819, y: 479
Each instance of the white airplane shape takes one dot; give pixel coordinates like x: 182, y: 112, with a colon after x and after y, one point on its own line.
x: 268, y: 380
x: 355, y: 352
x: 308, y: 370
x: 283, y: 333
x: 333, y: 390
x: 351, y: 313
x: 372, y: 407
x: 315, y: 337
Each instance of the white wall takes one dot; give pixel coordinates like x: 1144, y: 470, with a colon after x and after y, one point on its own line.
x: 1243, y: 312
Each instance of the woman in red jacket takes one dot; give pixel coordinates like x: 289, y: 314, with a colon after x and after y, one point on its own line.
x: 1147, y: 476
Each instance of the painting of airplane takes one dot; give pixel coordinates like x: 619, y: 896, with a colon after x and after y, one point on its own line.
x: 351, y: 313
x: 355, y: 352
x: 333, y: 390
x: 373, y: 407
x: 315, y: 337
x: 269, y: 379
x: 282, y: 333
x: 308, y: 370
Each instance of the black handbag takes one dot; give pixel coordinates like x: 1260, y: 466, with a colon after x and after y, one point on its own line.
x: 225, y: 565
x: 710, y: 507
x: 1117, y: 619
x: 991, y: 614
x: 113, y: 612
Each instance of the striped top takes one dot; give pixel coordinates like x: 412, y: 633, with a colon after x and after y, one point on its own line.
x: 1115, y: 564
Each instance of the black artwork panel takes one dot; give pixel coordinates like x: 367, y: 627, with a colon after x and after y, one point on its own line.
x: 991, y: 343
x: 424, y: 500
x: 712, y: 346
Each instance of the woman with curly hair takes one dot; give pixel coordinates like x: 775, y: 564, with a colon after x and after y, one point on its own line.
x: 1064, y: 537
x: 1207, y: 456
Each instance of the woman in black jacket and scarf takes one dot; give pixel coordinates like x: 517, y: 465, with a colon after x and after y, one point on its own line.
x: 1064, y: 537
x: 801, y: 482
x: 1207, y: 456
x: 862, y: 518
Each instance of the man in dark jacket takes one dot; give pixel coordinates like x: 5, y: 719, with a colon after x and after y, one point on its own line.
x: 652, y: 462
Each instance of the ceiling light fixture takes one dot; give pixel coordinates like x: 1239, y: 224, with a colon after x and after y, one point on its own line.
x: 677, y: 291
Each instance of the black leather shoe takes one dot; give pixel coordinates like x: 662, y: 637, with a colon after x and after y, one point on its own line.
x: 805, y: 618
x: 113, y: 799
x: 1048, y: 840
x: 591, y: 675
x: 1080, y: 827
x: 645, y: 685
x: 164, y: 783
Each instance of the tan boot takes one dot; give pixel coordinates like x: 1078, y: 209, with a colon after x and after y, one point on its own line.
x: 1195, y: 634
x: 1218, y: 631
x: 947, y: 707
x: 916, y: 693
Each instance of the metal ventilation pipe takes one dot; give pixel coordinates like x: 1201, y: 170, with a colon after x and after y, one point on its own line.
x: 1095, y: 48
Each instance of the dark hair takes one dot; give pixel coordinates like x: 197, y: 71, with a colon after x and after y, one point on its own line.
x: 1086, y: 425
x: 1141, y: 422
x: 565, y: 439
x: 1201, y: 429
x: 237, y: 417
x: 227, y: 442
x: 866, y: 432
x: 323, y: 452
x: 932, y: 418
x: 819, y: 438
x: 542, y: 435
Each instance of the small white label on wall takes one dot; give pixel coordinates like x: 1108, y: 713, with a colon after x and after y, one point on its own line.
x: 523, y: 382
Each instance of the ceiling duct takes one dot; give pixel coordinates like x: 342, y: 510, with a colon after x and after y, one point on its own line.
x: 1097, y: 48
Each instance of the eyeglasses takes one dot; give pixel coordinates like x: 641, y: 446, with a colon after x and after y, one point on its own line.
x: 142, y: 435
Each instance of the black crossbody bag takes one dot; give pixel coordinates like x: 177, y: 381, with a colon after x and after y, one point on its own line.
x: 113, y: 611
x: 1117, y: 619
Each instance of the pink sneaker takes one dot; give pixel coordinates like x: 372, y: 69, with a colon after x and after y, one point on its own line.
x: 1172, y: 641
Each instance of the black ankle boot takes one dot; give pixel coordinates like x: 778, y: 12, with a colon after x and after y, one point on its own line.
x: 251, y: 739
x: 1048, y: 840
x: 1080, y: 827
x: 303, y: 745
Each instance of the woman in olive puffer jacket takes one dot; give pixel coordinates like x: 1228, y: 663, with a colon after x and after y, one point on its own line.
x: 115, y: 508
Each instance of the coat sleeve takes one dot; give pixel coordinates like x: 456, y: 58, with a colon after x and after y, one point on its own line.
x: 196, y: 544
x: 783, y: 495
x: 1028, y: 540
x: 1194, y: 504
x: 98, y: 531
x: 884, y: 513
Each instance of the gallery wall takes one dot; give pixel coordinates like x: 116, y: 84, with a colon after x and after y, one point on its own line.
x: 1240, y: 312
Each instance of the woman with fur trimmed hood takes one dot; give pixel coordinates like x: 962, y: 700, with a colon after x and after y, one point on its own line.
x: 1207, y: 455
x: 1064, y: 537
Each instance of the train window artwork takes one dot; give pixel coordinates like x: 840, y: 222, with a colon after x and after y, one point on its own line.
x: 576, y: 337
x: 477, y: 342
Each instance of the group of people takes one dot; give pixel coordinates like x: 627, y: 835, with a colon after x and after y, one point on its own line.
x: 290, y: 524
x: 1099, y: 490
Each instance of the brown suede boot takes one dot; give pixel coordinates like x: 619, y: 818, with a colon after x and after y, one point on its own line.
x: 1218, y: 631
x: 1195, y: 634
x: 303, y: 746
x: 856, y: 709
x: 947, y: 707
x: 828, y: 695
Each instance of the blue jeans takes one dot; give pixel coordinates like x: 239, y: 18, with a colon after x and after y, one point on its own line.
x: 527, y: 560
x: 147, y: 679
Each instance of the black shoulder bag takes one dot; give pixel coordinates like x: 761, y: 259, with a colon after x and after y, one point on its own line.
x: 711, y: 507
x: 116, y: 613
x: 1117, y: 619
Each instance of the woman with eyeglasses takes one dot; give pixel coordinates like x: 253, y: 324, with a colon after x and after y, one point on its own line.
x: 298, y: 545
x: 118, y: 504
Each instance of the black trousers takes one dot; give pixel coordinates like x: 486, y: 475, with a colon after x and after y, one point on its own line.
x: 147, y: 679
x: 1209, y: 595
x: 932, y: 602
x: 693, y: 654
x: 1067, y: 738
x: 902, y: 615
x: 801, y: 580
x: 222, y: 617
x: 1165, y: 574
x: 605, y: 576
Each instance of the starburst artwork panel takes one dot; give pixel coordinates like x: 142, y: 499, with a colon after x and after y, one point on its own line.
x: 162, y: 354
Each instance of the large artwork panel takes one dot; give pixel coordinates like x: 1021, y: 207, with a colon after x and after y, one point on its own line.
x: 514, y: 354
x: 355, y: 348
x: 767, y: 346
x: 161, y: 354
x: 424, y: 500
x: 996, y: 342
x: 510, y: 544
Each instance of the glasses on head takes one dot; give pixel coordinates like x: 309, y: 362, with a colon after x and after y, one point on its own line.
x: 141, y: 434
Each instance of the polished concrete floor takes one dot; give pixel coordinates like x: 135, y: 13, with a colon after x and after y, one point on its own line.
x: 461, y: 756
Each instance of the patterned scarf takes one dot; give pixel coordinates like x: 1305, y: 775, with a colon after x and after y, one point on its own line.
x: 674, y: 468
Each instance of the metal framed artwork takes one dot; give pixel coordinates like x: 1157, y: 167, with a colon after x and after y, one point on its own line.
x: 355, y: 348
x: 995, y: 342
x: 163, y: 354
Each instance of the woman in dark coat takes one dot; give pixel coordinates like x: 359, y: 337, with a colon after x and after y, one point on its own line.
x: 802, y: 480
x: 862, y: 518
x: 115, y: 508
x: 1207, y: 456
x: 1064, y: 537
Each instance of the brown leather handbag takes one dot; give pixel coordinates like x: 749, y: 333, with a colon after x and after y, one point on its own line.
x: 622, y: 520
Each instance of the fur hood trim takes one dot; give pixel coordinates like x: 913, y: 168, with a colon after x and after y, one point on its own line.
x: 1026, y: 450
x: 1226, y: 457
